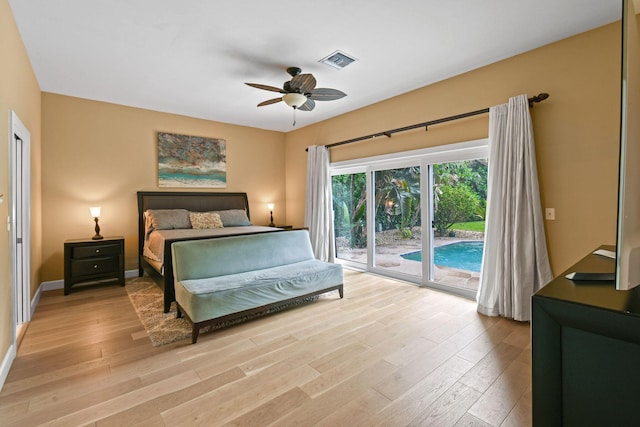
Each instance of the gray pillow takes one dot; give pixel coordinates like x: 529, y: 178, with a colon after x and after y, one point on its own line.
x: 234, y: 218
x: 168, y: 219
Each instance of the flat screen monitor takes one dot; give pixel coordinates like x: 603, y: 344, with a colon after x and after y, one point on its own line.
x: 628, y: 233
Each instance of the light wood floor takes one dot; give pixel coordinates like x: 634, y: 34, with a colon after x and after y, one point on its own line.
x: 388, y: 354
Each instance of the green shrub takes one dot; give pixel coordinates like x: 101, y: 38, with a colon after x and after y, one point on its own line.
x: 455, y: 204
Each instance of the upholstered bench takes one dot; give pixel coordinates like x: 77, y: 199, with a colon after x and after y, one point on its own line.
x: 222, y: 279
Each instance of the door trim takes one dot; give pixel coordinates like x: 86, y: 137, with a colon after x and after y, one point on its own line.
x: 20, y: 219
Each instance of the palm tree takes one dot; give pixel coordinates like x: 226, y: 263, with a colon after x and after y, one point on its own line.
x: 397, y: 198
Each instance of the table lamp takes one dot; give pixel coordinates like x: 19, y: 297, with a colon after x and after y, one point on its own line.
x: 95, y: 213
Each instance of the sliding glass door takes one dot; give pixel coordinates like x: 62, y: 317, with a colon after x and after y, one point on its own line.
x: 397, y: 233
x: 349, y: 216
x: 419, y: 217
x: 459, y: 206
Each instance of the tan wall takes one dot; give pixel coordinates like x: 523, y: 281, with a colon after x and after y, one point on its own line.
x: 19, y: 91
x: 576, y: 132
x: 100, y: 154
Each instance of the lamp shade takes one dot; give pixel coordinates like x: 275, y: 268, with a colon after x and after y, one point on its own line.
x: 270, y: 206
x: 295, y: 100
x: 95, y: 211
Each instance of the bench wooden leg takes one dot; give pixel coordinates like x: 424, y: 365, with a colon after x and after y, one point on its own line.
x: 178, y: 312
x: 341, y: 291
x: 194, y: 333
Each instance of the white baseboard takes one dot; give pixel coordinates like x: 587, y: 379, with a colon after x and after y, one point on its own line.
x: 51, y: 285
x: 6, y: 364
x: 130, y: 273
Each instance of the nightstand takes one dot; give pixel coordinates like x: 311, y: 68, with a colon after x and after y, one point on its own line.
x: 87, y: 260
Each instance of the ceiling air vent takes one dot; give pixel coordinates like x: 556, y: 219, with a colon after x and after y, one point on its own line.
x: 338, y: 60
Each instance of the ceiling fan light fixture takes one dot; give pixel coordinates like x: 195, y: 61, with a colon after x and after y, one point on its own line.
x: 295, y: 100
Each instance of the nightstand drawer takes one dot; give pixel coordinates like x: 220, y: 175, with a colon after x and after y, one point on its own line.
x: 95, y: 251
x: 94, y: 266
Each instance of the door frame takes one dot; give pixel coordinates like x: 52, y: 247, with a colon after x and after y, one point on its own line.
x: 20, y: 221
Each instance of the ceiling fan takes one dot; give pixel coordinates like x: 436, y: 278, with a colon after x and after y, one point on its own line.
x: 300, y: 92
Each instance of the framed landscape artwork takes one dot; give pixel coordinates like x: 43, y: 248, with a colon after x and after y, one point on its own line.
x: 191, y: 161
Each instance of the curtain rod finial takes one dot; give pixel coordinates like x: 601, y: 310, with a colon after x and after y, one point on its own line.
x: 538, y: 98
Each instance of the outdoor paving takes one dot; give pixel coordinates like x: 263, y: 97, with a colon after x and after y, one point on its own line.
x: 388, y: 253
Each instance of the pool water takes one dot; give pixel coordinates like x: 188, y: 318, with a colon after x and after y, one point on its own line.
x: 461, y: 255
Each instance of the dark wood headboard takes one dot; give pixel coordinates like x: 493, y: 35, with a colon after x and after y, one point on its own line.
x: 190, y: 200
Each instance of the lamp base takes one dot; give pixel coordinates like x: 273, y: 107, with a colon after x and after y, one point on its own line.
x: 97, y: 230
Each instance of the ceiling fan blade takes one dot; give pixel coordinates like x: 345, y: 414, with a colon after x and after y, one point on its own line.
x: 303, y: 83
x: 326, y: 94
x: 269, y: 102
x: 265, y: 87
x: 308, y: 106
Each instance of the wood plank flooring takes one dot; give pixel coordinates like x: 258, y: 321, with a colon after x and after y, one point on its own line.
x: 388, y: 354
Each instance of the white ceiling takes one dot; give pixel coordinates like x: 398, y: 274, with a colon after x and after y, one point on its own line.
x: 192, y: 57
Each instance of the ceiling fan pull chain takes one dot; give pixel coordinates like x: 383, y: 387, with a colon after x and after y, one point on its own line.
x: 294, y: 116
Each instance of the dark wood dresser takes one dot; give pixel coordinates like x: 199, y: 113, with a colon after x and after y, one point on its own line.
x: 586, y: 350
x: 87, y: 260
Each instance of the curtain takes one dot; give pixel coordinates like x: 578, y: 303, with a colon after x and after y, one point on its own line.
x: 515, y: 263
x: 318, y: 213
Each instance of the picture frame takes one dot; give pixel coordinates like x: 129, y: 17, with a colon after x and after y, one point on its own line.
x: 191, y: 161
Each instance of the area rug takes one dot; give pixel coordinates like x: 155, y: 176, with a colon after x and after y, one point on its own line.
x: 164, y: 328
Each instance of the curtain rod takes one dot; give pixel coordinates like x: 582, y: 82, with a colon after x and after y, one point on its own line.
x: 538, y: 98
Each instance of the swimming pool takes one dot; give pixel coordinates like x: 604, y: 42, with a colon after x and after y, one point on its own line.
x: 461, y: 255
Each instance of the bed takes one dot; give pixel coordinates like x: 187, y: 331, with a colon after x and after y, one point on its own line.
x: 155, y: 240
